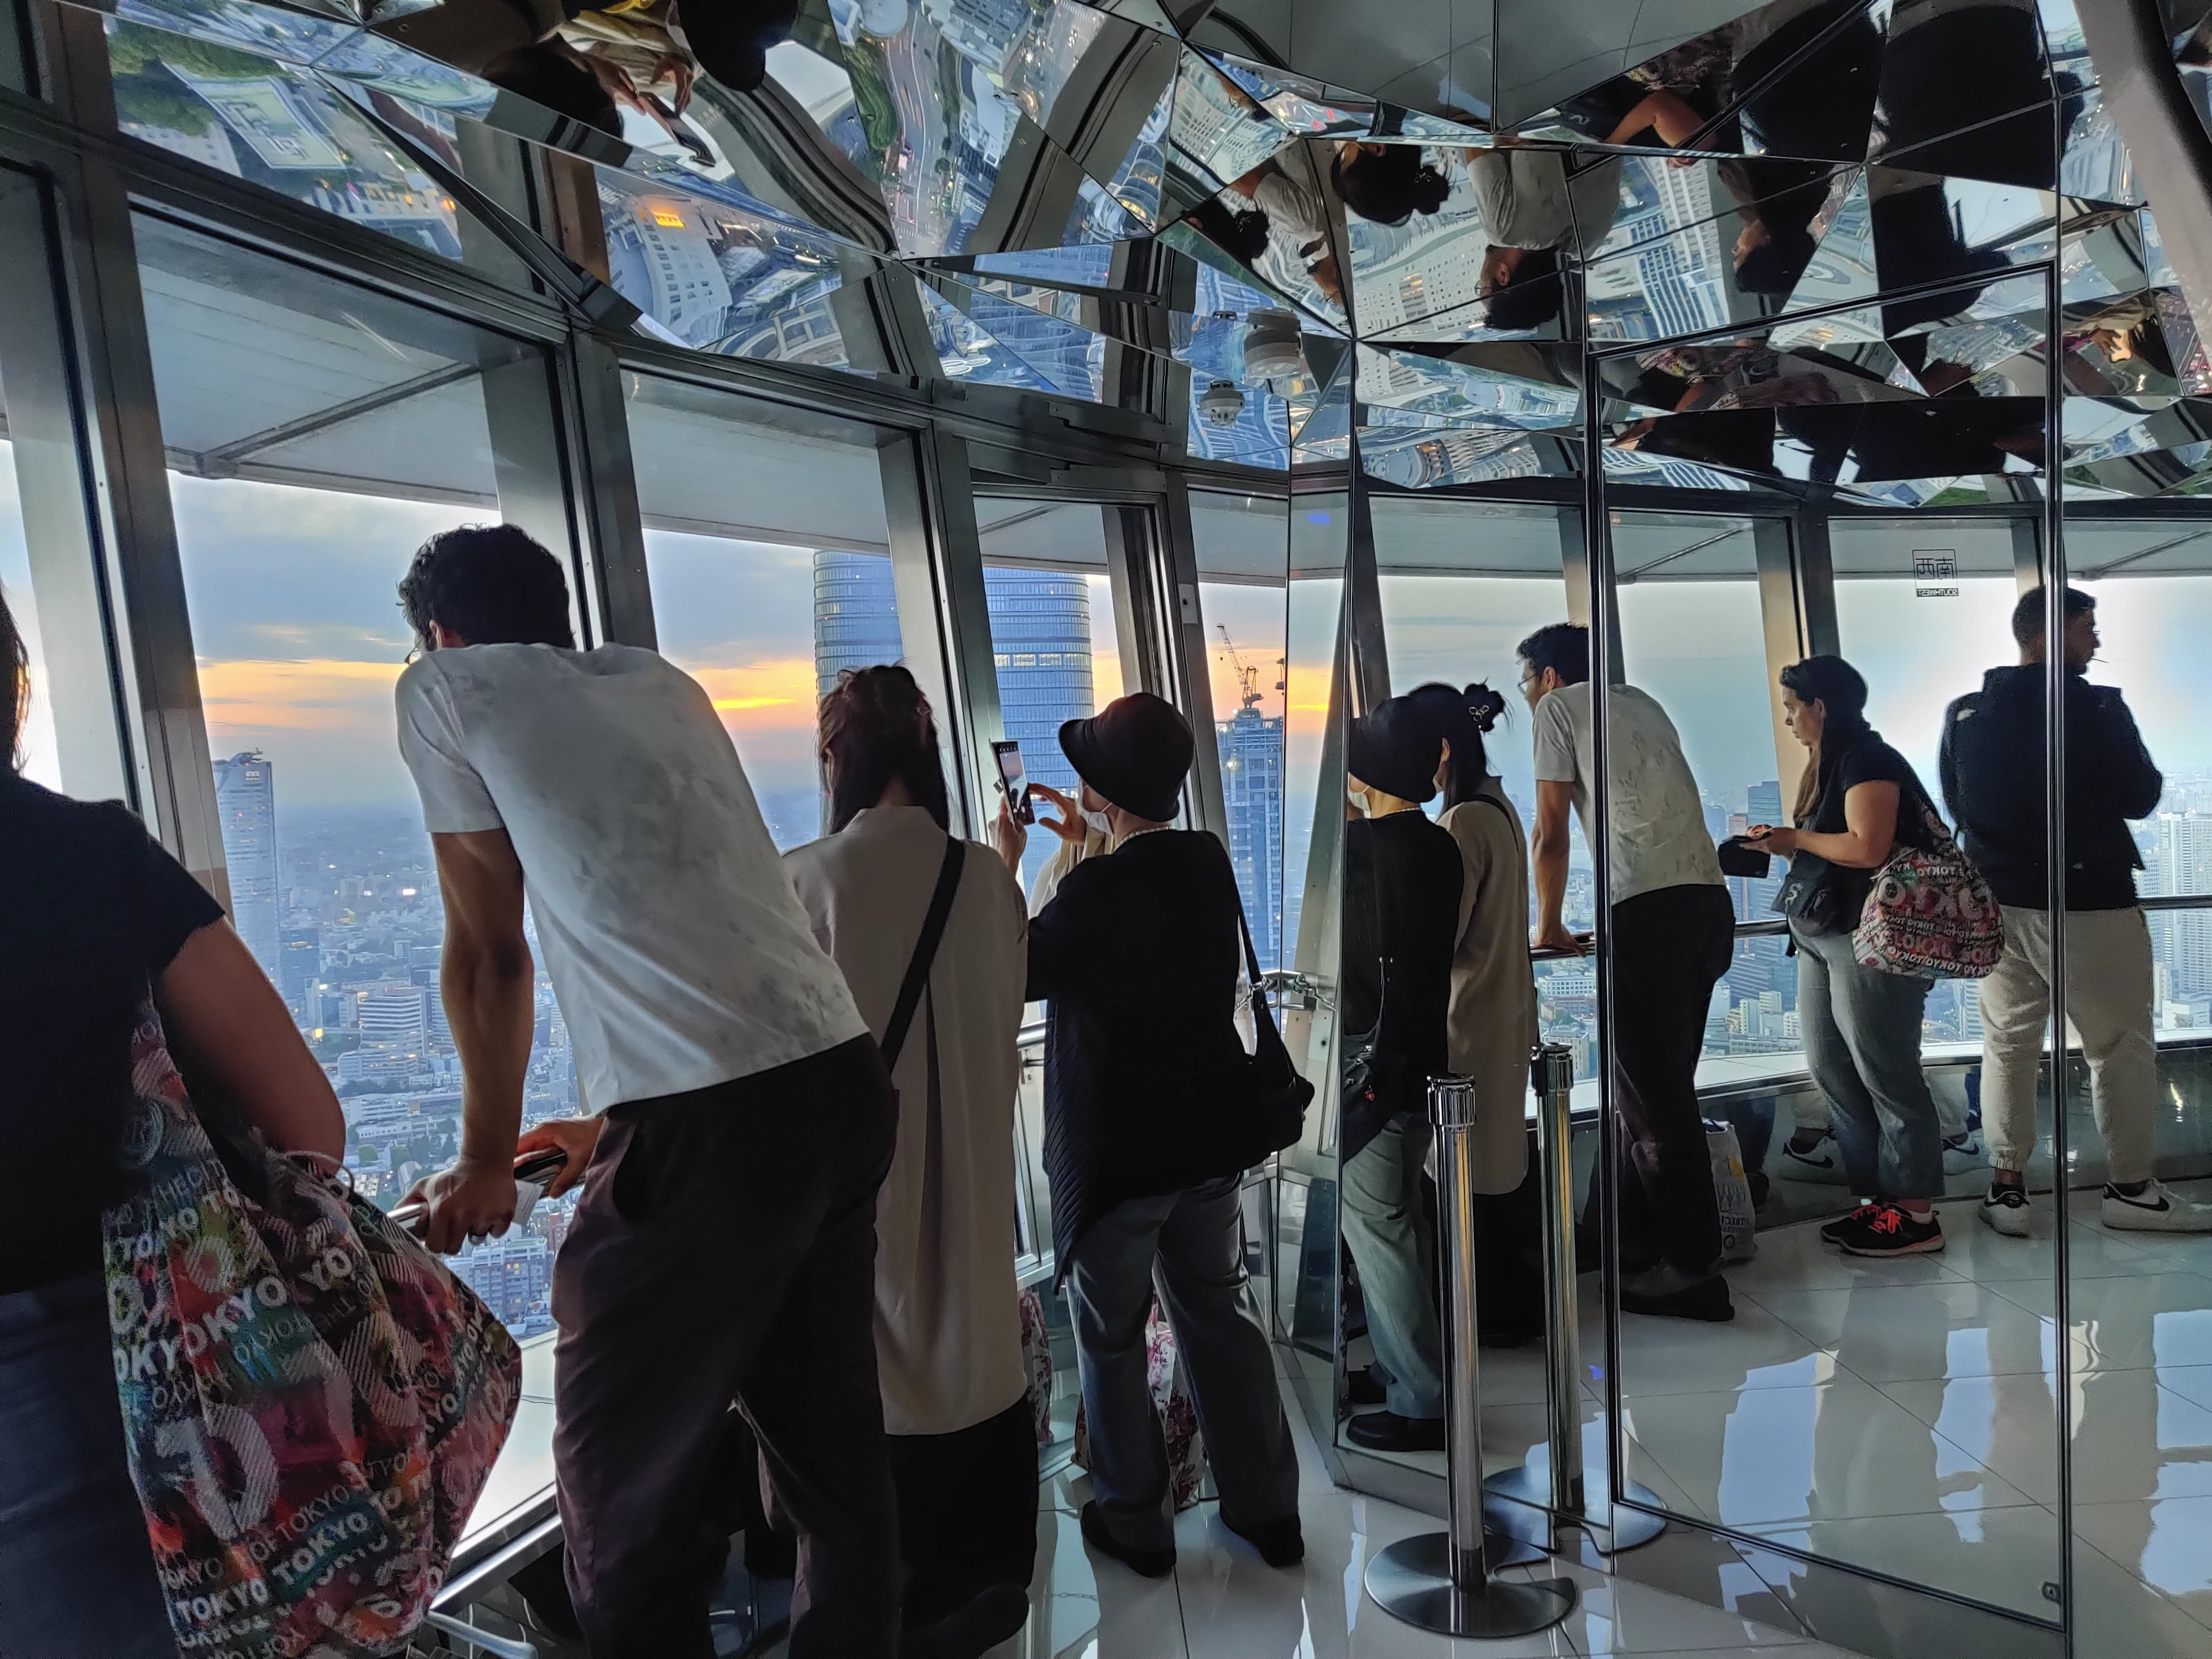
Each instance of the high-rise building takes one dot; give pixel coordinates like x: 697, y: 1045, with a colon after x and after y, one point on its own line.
x: 1252, y: 791
x: 2185, y: 865
x: 396, y: 1016
x: 246, y: 797
x: 299, y: 965
x: 1041, y: 643
x: 855, y: 614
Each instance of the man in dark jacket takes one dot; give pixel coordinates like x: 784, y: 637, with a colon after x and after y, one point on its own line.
x: 1994, y: 767
x: 1137, y: 958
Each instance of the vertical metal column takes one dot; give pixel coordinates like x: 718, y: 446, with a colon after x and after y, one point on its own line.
x: 1440, y: 1581
x: 1546, y: 1501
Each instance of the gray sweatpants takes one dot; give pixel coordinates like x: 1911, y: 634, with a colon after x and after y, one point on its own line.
x: 1388, y: 1235
x: 1191, y: 1246
x: 1861, y: 1031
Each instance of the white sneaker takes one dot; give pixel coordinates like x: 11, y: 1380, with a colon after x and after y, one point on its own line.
x: 1963, y: 1152
x: 2154, y: 1210
x: 1824, y: 1164
x: 2004, y: 1209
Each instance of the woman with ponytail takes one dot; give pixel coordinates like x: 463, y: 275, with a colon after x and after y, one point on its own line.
x: 948, y: 1321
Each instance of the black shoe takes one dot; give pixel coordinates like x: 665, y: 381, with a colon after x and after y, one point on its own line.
x: 1887, y: 1229
x: 1388, y: 1432
x: 1707, y: 1300
x: 1833, y: 1231
x: 1146, y: 1564
x: 1280, y: 1543
x: 990, y: 1617
x: 1361, y: 1388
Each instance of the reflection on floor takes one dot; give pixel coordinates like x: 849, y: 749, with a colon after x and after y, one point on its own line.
x: 1900, y: 1416
x: 1223, y: 1602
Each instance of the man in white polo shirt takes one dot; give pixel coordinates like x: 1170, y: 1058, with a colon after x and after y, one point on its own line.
x: 723, y: 1248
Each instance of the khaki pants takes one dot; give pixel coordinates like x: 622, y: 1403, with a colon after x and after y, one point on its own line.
x: 2108, y: 1008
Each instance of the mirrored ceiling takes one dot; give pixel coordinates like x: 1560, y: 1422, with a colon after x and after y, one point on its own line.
x: 1408, y: 231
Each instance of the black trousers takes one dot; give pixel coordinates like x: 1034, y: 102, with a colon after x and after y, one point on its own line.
x: 1670, y: 947
x: 725, y: 1250
x: 967, y: 1510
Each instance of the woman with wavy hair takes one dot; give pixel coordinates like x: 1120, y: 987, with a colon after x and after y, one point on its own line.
x: 948, y: 1320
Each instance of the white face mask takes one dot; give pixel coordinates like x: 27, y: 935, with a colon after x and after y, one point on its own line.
x: 1356, y: 796
x: 1093, y: 816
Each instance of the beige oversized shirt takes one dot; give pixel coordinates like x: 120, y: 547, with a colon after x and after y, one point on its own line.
x: 1493, y: 1022
x: 948, y: 1320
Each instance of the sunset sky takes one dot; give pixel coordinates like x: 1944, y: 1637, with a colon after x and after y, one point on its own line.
x: 299, y: 635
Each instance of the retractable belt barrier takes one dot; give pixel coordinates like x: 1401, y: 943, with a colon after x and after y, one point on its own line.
x: 1551, y: 1499
x: 1440, y: 1581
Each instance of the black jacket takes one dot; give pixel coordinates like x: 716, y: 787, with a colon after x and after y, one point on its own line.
x: 1994, y: 771
x: 1402, y: 875
x: 1137, y: 959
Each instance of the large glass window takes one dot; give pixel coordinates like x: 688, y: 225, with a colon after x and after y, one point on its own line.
x: 770, y: 554
x: 317, y: 433
x: 1052, y: 637
x: 1243, y: 565
x: 1692, y: 636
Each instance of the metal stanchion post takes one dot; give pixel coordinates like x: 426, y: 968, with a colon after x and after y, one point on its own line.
x: 1559, y: 1487
x: 1440, y: 1581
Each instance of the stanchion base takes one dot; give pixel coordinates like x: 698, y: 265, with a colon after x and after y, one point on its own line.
x: 1528, y: 1515
x: 1411, y: 1581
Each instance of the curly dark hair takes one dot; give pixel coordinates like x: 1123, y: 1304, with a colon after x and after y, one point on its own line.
x: 15, y: 663
x: 876, y: 727
x: 1563, y: 646
x: 490, y: 584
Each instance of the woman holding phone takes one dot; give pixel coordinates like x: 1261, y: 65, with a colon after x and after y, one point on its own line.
x: 1858, y: 800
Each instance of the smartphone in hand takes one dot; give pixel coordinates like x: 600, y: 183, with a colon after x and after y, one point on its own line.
x: 1014, y: 781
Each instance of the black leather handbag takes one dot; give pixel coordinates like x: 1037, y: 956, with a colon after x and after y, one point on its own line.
x: 1275, y: 1095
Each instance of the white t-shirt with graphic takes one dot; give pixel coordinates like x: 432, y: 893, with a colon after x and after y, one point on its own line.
x: 679, y: 954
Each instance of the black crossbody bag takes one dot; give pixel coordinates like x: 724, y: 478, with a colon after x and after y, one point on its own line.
x: 924, y: 950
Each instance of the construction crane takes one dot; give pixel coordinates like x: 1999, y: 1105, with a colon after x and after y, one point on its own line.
x: 1248, y: 678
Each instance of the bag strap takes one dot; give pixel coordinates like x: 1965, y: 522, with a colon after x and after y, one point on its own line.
x: 925, y: 950
x: 1262, y: 1016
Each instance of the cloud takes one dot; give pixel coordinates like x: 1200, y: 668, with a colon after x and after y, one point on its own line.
x: 322, y: 694
x: 776, y: 694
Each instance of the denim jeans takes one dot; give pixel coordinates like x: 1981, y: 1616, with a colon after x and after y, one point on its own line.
x: 77, y: 1570
x: 1861, y: 1031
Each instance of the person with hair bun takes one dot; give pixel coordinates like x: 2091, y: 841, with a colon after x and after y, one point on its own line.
x: 948, y: 1320
x: 1491, y: 1026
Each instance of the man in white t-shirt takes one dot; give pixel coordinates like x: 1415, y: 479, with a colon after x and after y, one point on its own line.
x: 723, y: 1248
x: 1673, y: 931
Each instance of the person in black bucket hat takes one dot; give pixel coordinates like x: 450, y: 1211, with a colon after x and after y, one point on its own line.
x: 1135, y: 753
x: 1402, y: 877
x: 1137, y: 958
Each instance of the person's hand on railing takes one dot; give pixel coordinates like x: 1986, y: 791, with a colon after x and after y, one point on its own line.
x: 1551, y: 940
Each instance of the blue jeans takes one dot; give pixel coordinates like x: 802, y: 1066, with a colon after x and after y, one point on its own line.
x: 77, y: 1570
x: 1861, y: 1031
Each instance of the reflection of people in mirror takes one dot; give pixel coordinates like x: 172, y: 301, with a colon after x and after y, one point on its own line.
x: 1672, y: 931
x: 1403, y: 895
x: 1858, y: 801
x: 1993, y: 760
x: 1280, y: 203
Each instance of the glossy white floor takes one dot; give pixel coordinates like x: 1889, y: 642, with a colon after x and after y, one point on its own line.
x: 1900, y: 1416
x: 1223, y: 1602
